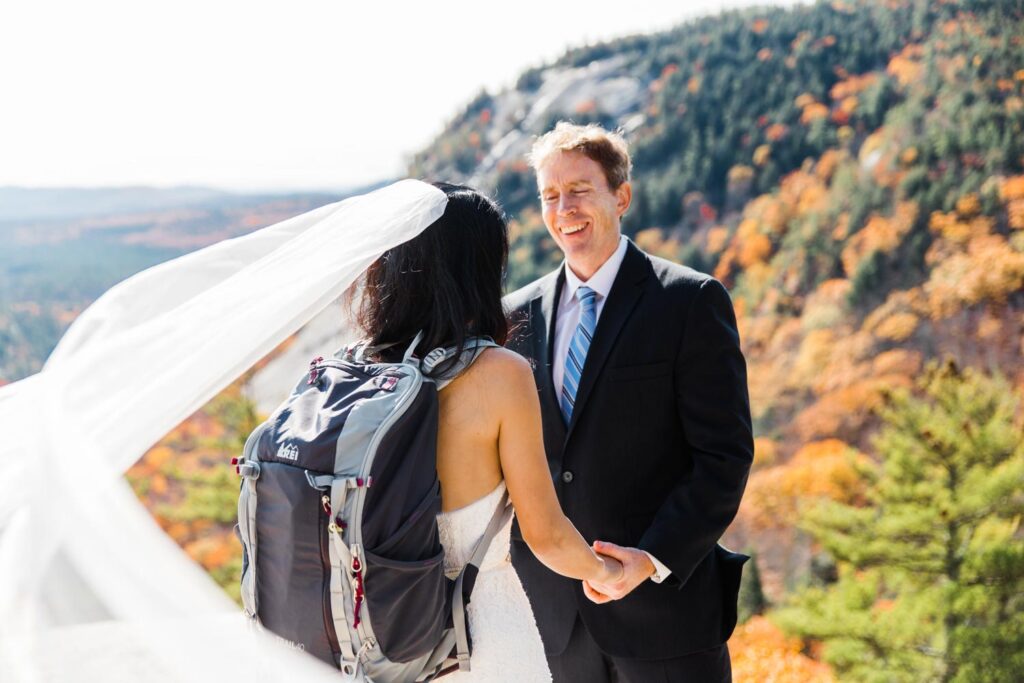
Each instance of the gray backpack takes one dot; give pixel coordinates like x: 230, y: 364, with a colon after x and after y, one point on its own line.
x: 341, y: 552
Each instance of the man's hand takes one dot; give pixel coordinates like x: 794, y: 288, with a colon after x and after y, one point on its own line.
x: 637, y: 568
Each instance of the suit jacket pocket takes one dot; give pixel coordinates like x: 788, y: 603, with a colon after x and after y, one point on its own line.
x: 731, y: 571
x: 626, y: 373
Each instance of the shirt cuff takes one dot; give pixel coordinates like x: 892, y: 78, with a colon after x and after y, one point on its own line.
x: 661, y: 572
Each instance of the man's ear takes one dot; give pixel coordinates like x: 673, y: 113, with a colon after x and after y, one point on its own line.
x: 623, y: 197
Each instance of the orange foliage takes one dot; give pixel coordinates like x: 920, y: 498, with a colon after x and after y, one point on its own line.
x: 761, y: 652
x: 990, y: 270
x: 214, y: 551
x: 776, y: 132
x: 952, y: 228
x: 968, y: 206
x: 852, y: 86
x: 906, y: 67
x: 827, y: 164
x: 897, y: 362
x: 813, y: 111
x: 845, y: 411
x: 1012, y: 188
x: 880, y: 234
x: 897, y: 327
x: 764, y: 54
x: 653, y: 241
x: 759, y: 26
x: 1015, y: 214
x: 753, y: 250
x: 821, y: 469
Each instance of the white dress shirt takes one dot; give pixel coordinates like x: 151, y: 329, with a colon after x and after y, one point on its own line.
x: 568, y: 317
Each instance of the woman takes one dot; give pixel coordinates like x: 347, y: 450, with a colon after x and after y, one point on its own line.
x: 448, y: 282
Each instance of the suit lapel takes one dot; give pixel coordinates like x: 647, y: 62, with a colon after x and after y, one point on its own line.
x: 622, y: 298
x: 543, y: 310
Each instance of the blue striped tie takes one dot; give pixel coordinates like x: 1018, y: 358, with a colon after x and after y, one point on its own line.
x: 578, y: 347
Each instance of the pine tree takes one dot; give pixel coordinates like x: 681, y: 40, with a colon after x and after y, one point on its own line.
x: 931, y: 570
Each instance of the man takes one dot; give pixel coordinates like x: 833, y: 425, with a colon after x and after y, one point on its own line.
x: 646, y: 426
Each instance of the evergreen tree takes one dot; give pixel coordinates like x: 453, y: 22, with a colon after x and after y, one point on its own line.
x: 931, y: 570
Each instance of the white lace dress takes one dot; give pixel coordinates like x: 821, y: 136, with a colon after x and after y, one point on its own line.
x: 506, y: 642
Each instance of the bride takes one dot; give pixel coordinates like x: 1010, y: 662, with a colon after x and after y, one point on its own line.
x: 92, y: 589
x: 448, y: 282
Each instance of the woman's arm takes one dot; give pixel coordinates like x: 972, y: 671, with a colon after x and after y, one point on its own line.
x: 550, y: 535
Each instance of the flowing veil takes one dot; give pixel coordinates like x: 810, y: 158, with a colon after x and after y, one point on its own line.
x: 90, y: 586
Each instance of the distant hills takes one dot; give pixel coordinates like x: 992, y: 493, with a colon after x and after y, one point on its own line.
x: 62, y: 248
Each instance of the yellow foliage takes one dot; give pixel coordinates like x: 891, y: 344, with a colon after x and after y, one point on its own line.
x: 693, y: 85
x: 761, y: 652
x: 908, y: 156
x: 761, y: 154
x: 766, y: 451
x: 740, y: 172
x: 804, y: 99
x: 717, y: 237
x: 815, y: 353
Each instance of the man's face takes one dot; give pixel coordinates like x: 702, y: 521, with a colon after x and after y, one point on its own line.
x: 580, y: 211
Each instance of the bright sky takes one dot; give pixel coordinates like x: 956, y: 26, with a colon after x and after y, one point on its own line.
x: 256, y: 95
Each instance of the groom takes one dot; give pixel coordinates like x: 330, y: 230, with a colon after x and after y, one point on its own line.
x: 647, y: 429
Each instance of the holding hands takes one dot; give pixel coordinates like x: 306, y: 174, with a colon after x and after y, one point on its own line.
x: 636, y: 567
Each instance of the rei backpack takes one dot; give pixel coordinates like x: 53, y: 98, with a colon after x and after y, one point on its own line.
x: 341, y: 552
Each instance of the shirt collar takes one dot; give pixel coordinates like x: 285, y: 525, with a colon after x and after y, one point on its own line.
x: 601, y: 281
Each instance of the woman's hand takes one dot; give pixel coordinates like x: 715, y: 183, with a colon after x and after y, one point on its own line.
x: 612, y: 571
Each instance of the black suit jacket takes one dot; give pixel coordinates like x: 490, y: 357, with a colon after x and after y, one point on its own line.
x: 656, y: 455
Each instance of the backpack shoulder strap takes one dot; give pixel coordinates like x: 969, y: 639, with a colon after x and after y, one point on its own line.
x: 473, y: 348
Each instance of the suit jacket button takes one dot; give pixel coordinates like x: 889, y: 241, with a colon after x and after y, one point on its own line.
x: 567, y: 477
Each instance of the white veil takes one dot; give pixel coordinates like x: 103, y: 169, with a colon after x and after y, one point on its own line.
x: 90, y: 587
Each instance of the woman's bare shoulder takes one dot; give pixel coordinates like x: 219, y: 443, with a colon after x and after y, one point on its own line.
x: 501, y: 370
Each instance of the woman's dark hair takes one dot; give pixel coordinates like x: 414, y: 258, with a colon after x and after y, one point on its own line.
x: 446, y: 281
